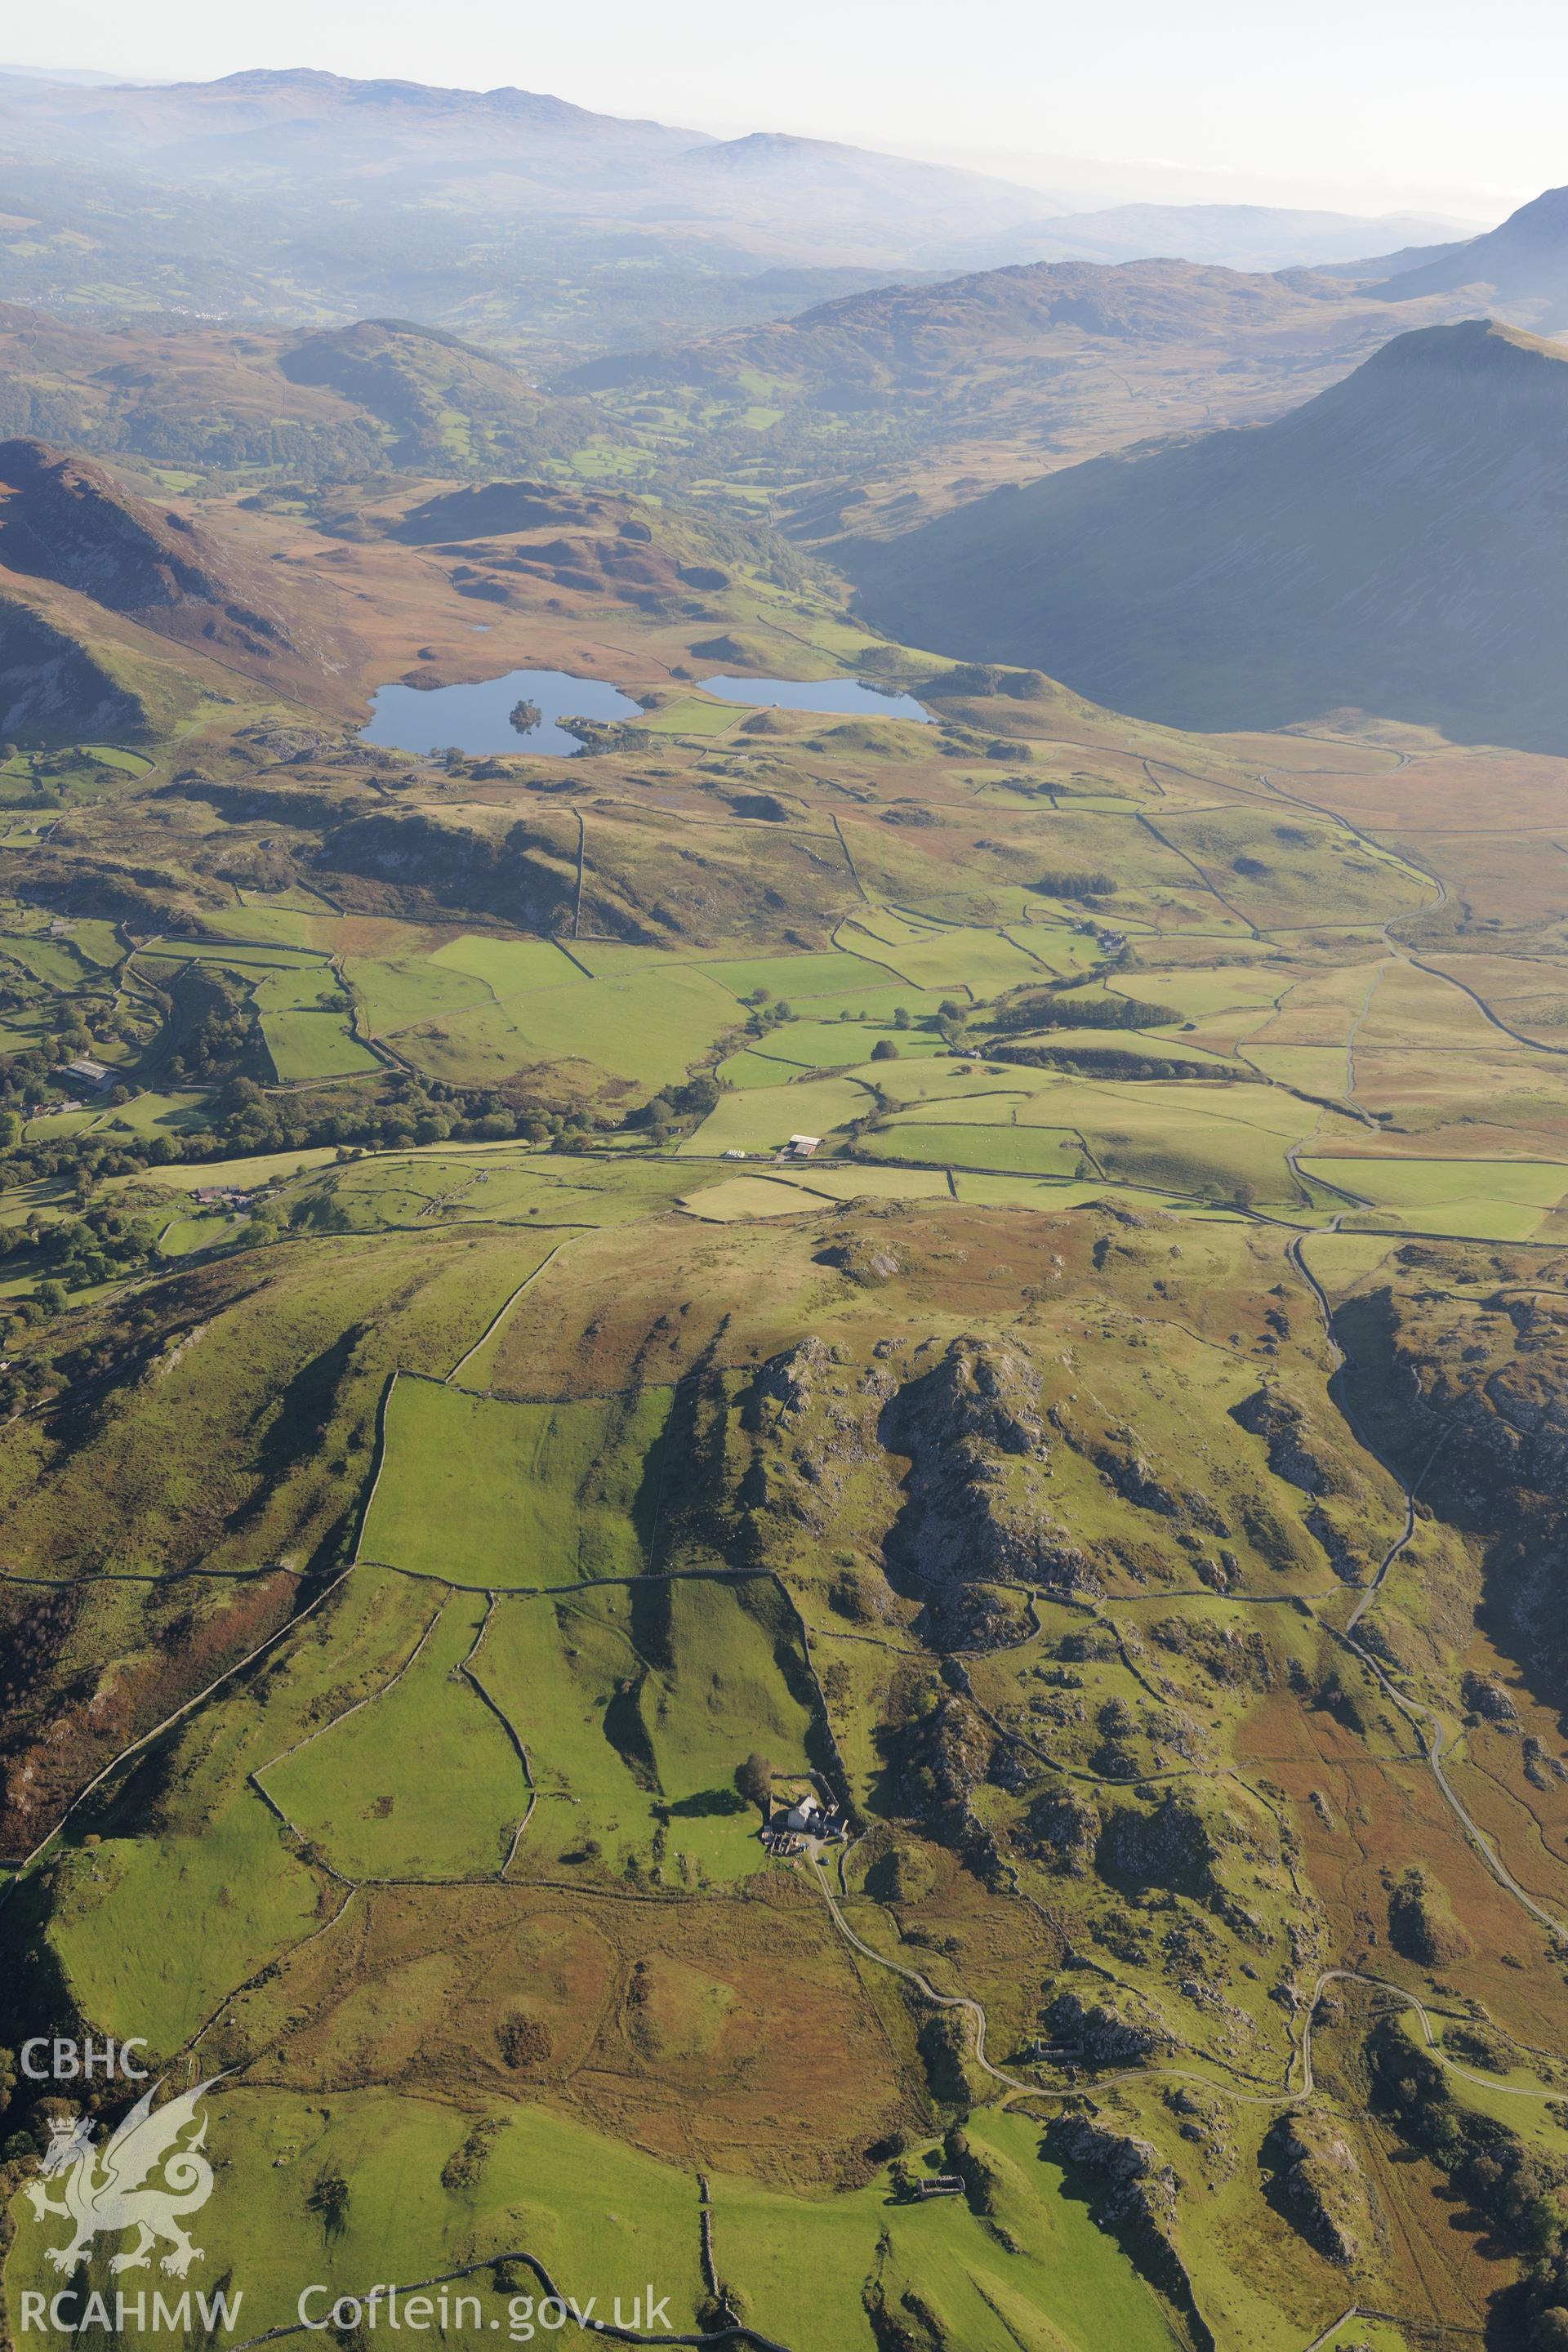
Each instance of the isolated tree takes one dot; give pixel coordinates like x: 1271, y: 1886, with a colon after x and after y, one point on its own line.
x: 755, y: 1779
x: 884, y: 1050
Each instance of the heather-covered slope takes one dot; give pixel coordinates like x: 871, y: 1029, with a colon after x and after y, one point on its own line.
x: 63, y: 519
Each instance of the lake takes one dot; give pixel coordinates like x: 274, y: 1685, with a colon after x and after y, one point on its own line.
x: 839, y: 698
x: 478, y: 718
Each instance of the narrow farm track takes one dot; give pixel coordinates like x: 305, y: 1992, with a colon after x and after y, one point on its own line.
x: 1409, y: 2000
x: 960, y: 2000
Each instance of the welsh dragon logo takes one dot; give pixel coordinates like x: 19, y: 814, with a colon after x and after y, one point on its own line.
x: 109, y: 2187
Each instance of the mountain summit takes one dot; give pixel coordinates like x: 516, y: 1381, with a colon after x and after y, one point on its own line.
x: 1520, y: 267
x: 1396, y: 545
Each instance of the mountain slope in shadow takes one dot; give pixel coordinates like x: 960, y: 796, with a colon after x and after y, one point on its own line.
x: 1398, y: 545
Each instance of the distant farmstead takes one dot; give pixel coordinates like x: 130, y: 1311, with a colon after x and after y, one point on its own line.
x: 801, y: 1146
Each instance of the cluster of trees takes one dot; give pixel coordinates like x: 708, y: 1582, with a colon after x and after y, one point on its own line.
x: 676, y: 1110
x: 220, y: 1031
x: 1113, y: 1062
x: 247, y: 1120
x: 1517, y: 2187
x: 765, y: 1012
x: 1055, y: 884
x: 1071, y: 1008
x: 105, y: 1244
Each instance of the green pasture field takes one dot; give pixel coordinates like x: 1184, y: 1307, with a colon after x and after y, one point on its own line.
x: 291, y: 927
x: 1489, y: 1200
x: 307, y: 1043
x: 614, y: 958
x: 479, y: 1045
x: 184, y: 1234
x: 395, y: 990
x: 52, y: 1125
x: 161, y: 957
x: 952, y: 1079
x: 1035, y: 1150
x: 838, y: 1045
x: 158, y: 1114
x: 1199, y: 991
x: 636, y: 1707
x: 1182, y: 1135
x: 215, y: 1852
x: 117, y: 1928
x: 1059, y: 946
x: 25, y: 1032
x: 115, y: 755
x: 487, y: 1493
x: 651, y: 1028
x: 489, y: 1184
x: 421, y: 1781
x: 983, y: 1187
x: 983, y: 1108
x: 760, y: 1119
x: 799, y: 977
x: 752, y: 1069
x: 1311, y: 870
x: 1136, y: 1044
x: 734, y: 1200
x: 306, y: 1038
x: 983, y: 962
x: 603, y: 2217
x: 1066, y: 2286
x: 1314, y: 1069
x: 871, y: 1007
x: 99, y: 941
x: 56, y: 962
x: 244, y: 1175
x: 508, y: 967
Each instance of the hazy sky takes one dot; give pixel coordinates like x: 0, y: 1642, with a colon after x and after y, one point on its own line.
x: 1361, y: 103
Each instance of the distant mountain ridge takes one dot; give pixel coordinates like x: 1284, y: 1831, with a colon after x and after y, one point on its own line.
x: 1396, y: 545
x: 288, y: 131
x: 859, y: 337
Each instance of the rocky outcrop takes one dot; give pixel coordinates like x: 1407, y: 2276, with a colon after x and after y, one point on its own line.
x: 528, y: 876
x: 1144, y: 2187
x: 1170, y: 1847
x: 1421, y: 1923
x: 814, y: 1421
x: 1062, y: 1829
x: 1117, y: 2028
x: 1320, y: 2184
x: 1489, y: 1699
x: 1282, y: 1425
x: 978, y: 1484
